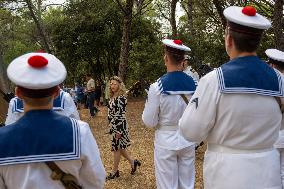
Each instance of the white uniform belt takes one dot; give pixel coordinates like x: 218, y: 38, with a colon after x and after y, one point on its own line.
x: 168, y: 128
x: 225, y: 149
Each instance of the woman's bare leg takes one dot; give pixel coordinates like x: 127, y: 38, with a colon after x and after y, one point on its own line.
x: 126, y: 155
x: 116, y: 155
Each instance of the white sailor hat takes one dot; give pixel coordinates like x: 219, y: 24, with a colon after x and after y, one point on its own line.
x: 176, y: 44
x: 36, y: 71
x: 246, y: 16
x: 275, y: 54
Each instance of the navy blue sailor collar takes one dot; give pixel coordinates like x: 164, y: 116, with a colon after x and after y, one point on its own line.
x: 249, y: 74
x: 176, y: 82
x: 58, y: 103
x: 40, y: 136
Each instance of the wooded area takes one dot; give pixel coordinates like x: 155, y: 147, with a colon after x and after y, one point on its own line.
x: 123, y: 37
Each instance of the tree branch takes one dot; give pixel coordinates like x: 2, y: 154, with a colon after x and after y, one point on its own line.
x: 120, y: 6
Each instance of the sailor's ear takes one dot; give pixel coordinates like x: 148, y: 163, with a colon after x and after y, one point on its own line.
x: 56, y: 92
x: 18, y: 93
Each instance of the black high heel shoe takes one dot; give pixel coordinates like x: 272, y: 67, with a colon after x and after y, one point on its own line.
x: 113, y: 175
x: 136, y: 163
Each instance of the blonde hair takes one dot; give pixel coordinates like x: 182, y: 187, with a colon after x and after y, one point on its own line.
x: 122, y: 89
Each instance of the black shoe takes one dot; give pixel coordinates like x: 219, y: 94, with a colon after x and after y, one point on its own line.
x: 136, y: 163
x: 113, y: 175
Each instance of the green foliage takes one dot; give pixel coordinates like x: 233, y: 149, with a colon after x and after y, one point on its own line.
x: 14, y: 35
x: 146, y: 55
x: 86, y: 35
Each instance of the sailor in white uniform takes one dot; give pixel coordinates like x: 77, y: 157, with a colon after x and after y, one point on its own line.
x: 62, y: 104
x: 174, y: 156
x: 41, y: 135
x: 189, y: 70
x: 276, y: 60
x: 235, y: 108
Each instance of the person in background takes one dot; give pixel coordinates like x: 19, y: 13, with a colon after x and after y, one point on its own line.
x: 106, y: 91
x: 120, y: 140
x: 51, y: 141
x: 276, y: 61
x: 235, y: 109
x: 91, y: 95
x: 79, y: 91
x: 189, y: 70
x: 62, y: 104
x: 174, y: 156
x: 72, y: 93
x: 85, y: 96
x: 98, y: 91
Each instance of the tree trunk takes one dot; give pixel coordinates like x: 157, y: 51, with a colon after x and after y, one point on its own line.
x: 220, y: 9
x: 278, y: 24
x: 4, y: 82
x: 190, y: 17
x: 39, y: 26
x: 125, y: 42
x: 4, y: 87
x: 173, y: 17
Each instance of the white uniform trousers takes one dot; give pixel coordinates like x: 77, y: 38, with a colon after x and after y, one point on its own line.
x: 281, y: 152
x: 175, y: 169
x: 242, y: 171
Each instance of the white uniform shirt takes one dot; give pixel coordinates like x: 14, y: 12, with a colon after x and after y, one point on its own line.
x: 89, y: 170
x: 280, y: 142
x: 252, y: 124
x: 70, y: 109
x: 194, y: 75
x: 165, y: 110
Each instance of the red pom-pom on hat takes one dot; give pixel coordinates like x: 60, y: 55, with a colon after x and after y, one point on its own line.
x: 178, y: 42
x: 37, y: 61
x: 249, y: 11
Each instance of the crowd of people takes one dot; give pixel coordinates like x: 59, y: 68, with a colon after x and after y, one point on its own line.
x: 237, y: 109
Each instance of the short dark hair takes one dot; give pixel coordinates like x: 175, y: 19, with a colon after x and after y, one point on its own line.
x: 278, y: 65
x: 246, y: 39
x: 37, y: 93
x: 176, y: 56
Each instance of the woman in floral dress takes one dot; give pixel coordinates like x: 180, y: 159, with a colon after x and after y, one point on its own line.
x: 118, y: 126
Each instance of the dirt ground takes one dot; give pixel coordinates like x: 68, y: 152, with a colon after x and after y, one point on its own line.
x: 141, y: 148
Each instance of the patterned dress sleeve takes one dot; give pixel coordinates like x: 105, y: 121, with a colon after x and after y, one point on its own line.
x: 122, y: 102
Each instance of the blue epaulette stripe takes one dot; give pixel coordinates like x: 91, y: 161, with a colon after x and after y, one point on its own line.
x: 75, y: 154
x: 178, y: 92
x: 220, y: 78
x: 279, y: 81
x: 176, y: 82
x: 264, y: 92
x: 16, y: 103
x: 61, y: 99
x: 63, y: 103
x: 160, y: 86
x: 37, y: 160
x: 76, y: 134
